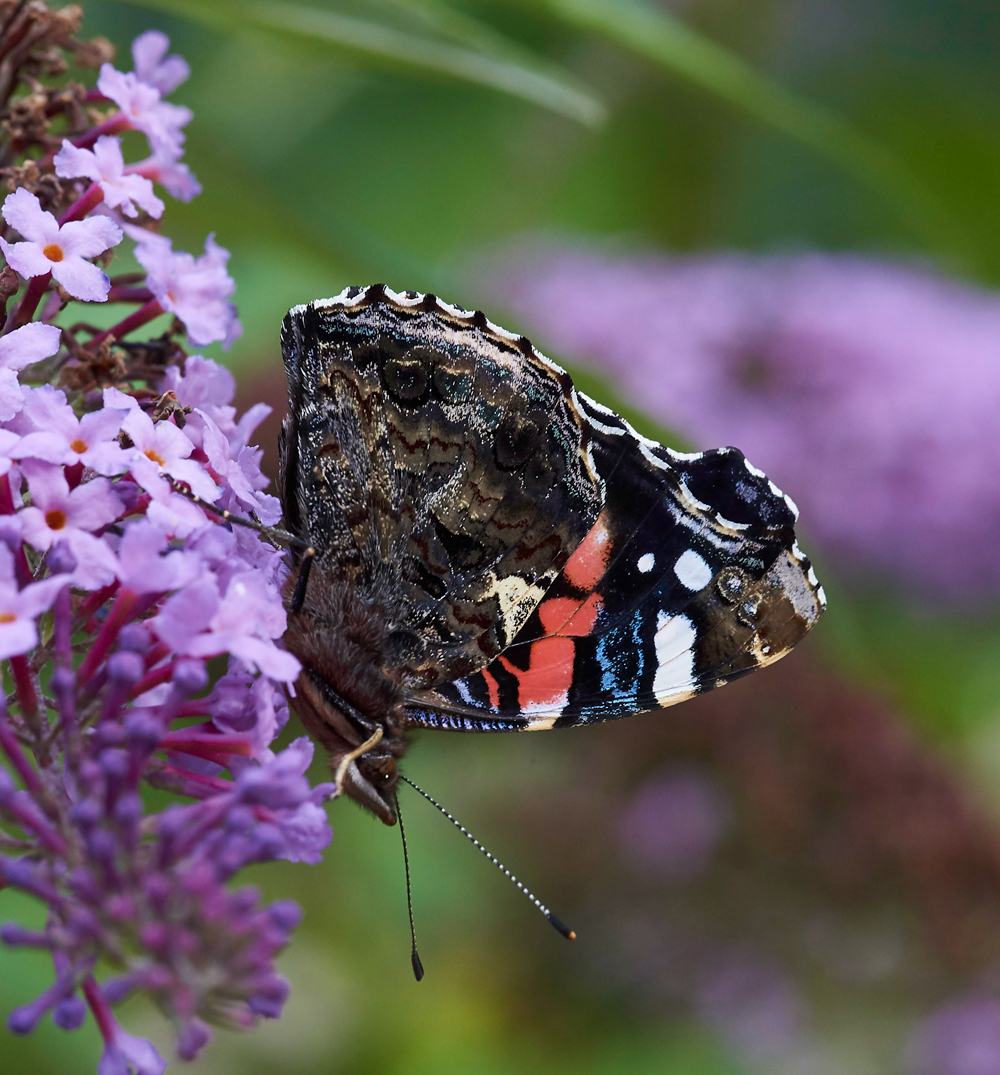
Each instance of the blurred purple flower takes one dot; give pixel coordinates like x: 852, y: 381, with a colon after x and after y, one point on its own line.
x: 962, y: 1038
x: 106, y: 166
x: 197, y: 290
x: 867, y: 389
x: 59, y: 249
x: 173, y: 175
x: 675, y: 823
x: 755, y: 1007
x: 153, y: 66
x: 20, y: 609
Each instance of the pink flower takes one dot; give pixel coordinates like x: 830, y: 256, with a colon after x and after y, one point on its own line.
x: 61, y: 251
x: 146, y: 566
x: 20, y: 608
x: 163, y: 74
x: 143, y: 107
x: 30, y: 343
x: 20, y: 348
x: 160, y: 448
x: 106, y: 166
x: 281, y: 786
x: 59, y: 514
x: 125, y: 1053
x: 202, y: 621
x: 176, y: 178
x: 241, y: 474
x: 195, y: 289
x: 58, y: 436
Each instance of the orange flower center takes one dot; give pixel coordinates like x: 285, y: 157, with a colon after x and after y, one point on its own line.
x: 152, y: 453
x: 55, y: 519
x: 78, y: 446
x: 7, y: 617
x: 54, y: 252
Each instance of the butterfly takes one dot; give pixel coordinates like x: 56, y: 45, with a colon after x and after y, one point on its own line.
x: 492, y: 550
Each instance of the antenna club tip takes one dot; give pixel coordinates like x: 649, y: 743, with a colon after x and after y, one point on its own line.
x: 418, y: 967
x: 569, y: 934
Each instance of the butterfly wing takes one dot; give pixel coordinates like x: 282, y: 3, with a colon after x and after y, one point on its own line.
x: 438, y: 465
x: 535, y: 560
x: 691, y: 577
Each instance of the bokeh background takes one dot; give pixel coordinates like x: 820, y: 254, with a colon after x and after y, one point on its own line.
x: 768, y: 222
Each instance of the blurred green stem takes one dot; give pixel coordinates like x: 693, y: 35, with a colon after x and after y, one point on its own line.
x: 541, y: 82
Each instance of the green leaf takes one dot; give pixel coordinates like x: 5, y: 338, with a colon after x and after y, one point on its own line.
x: 493, y: 62
x: 657, y: 35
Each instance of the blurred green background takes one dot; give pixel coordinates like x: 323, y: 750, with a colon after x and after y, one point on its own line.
x: 397, y: 141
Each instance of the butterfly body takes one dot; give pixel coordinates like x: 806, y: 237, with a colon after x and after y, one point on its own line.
x: 497, y: 552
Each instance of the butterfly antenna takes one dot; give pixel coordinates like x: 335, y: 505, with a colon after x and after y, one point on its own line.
x: 568, y: 933
x: 418, y: 967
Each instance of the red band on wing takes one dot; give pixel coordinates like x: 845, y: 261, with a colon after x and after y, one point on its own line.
x: 586, y: 567
x: 566, y: 616
x: 549, y: 674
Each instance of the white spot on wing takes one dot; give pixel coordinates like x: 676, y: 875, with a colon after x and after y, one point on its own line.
x: 674, y: 643
x: 646, y: 562
x: 692, y: 570
x: 753, y: 470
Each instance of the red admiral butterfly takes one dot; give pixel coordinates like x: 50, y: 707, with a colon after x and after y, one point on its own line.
x: 494, y: 551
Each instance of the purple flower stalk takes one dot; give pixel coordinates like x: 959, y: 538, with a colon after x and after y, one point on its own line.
x: 870, y: 390
x: 116, y: 590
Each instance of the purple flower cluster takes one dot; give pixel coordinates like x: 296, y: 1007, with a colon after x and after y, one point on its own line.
x: 116, y: 591
x: 868, y: 389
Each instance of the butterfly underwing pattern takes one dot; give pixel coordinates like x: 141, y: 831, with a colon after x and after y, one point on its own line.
x: 494, y: 551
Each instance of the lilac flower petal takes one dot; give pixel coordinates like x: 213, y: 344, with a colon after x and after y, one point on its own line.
x: 142, y: 567
x: 26, y: 258
x: 11, y: 398
x: 90, y: 237
x: 248, y: 423
x: 153, y: 66
x: 186, y: 614
x: 82, y: 280
x: 72, y: 162
x: 27, y: 344
x: 23, y: 212
x: 177, y: 516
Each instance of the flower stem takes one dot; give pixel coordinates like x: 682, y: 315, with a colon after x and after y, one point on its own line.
x: 145, y: 313
x: 12, y: 748
x: 102, y: 1010
x: 29, y: 302
x: 129, y: 294
x: 82, y: 206
x: 116, y: 619
x: 25, y: 687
